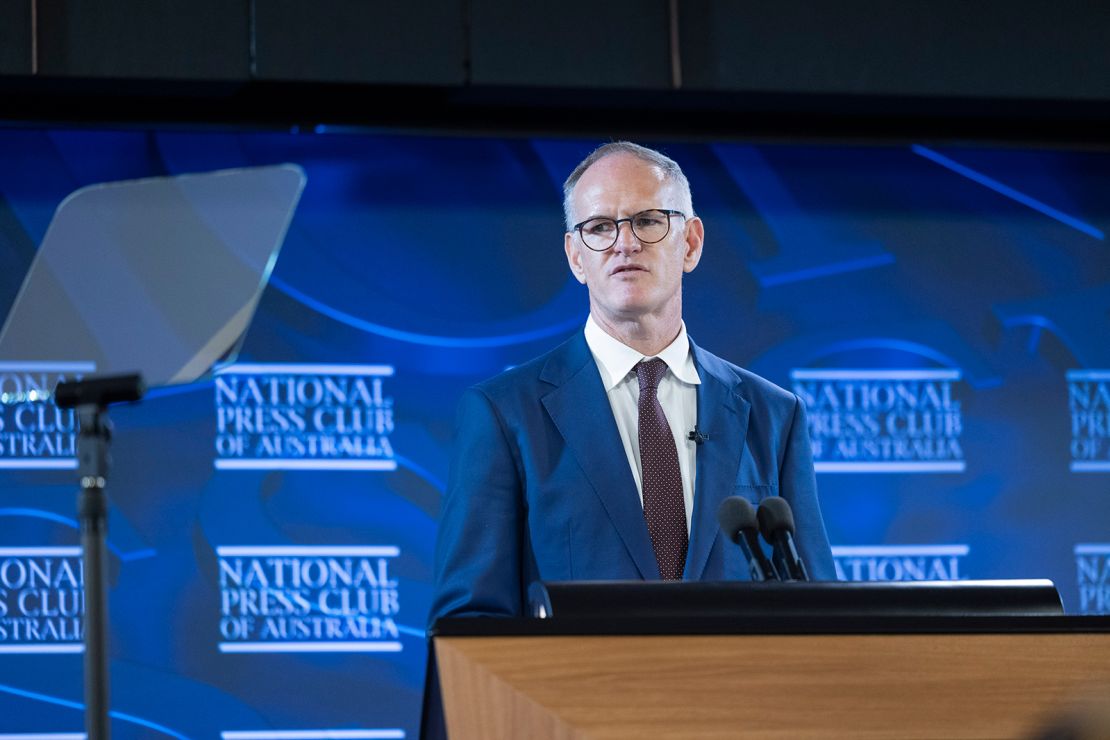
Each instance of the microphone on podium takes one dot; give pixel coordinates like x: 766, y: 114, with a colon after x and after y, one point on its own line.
x: 737, y: 518
x: 776, y: 524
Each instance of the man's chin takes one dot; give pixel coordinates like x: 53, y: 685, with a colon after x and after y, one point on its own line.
x: 631, y: 310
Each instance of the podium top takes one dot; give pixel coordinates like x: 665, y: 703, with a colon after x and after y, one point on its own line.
x: 731, y: 607
x: 628, y: 599
x: 764, y: 625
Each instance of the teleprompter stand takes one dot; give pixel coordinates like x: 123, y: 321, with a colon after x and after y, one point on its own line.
x: 159, y: 276
x: 91, y: 399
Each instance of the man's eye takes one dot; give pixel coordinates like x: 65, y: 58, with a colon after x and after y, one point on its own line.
x: 648, y: 220
x: 599, y: 227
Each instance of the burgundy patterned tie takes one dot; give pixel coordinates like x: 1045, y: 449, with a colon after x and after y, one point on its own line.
x: 664, y: 508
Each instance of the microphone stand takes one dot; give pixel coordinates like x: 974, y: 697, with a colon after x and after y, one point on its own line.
x: 93, y: 443
x: 91, y: 399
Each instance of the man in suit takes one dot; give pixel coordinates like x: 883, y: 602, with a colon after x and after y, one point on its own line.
x: 607, y: 458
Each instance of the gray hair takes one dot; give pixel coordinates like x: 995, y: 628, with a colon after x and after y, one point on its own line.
x: 670, y: 169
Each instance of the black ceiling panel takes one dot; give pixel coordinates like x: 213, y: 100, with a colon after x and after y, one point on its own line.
x: 15, y: 37
x: 371, y: 41
x: 167, y: 39
x: 574, y: 43
x: 952, y: 48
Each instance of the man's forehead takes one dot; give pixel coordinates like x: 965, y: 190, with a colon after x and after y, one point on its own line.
x: 621, y: 166
x: 621, y: 174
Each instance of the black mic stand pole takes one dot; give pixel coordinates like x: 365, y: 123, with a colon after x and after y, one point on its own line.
x: 91, y: 398
x: 92, y: 508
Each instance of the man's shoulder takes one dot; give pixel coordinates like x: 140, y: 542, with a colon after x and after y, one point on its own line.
x: 755, y: 388
x: 540, y: 371
x: 513, y: 378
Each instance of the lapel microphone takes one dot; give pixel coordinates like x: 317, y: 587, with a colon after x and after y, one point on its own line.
x: 697, y: 437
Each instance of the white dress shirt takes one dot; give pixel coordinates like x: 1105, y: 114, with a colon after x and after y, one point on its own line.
x: 677, y: 395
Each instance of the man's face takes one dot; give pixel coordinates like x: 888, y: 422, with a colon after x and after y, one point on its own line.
x: 632, y: 280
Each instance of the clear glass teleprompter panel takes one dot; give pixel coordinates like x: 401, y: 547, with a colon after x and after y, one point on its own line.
x: 159, y: 276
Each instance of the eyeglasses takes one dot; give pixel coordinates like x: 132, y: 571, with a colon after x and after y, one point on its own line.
x: 599, y: 234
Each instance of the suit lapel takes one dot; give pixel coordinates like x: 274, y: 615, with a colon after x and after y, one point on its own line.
x: 723, y: 416
x: 579, y: 408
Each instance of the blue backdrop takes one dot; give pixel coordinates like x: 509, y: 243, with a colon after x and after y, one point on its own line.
x: 943, y: 311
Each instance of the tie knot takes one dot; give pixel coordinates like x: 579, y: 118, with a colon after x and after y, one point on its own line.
x: 650, y: 372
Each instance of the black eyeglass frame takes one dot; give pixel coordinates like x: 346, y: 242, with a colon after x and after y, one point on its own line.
x: 617, y: 227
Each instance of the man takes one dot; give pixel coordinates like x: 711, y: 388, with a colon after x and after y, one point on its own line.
x: 607, y: 458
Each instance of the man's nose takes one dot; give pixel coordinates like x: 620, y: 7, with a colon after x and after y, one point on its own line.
x: 627, y: 241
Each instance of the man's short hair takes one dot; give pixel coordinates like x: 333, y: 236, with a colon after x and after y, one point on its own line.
x: 668, y: 166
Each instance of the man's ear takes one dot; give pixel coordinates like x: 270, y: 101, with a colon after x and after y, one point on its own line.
x: 695, y: 238
x: 574, y: 258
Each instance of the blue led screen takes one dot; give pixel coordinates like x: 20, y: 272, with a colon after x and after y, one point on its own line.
x: 943, y: 311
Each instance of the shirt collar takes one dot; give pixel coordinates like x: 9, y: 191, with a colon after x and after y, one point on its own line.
x: 616, y: 359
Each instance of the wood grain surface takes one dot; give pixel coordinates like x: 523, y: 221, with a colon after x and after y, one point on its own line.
x: 766, y: 686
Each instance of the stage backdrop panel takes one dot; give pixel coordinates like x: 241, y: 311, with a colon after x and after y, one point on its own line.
x: 943, y: 312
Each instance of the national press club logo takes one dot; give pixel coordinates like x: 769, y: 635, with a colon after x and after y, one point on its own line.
x: 1089, y: 406
x: 304, y: 417
x: 900, y: 562
x: 1092, y: 566
x: 34, y: 433
x: 883, y: 421
x: 305, y: 599
x: 42, y: 600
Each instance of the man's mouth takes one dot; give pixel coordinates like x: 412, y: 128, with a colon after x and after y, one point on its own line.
x: 626, y: 268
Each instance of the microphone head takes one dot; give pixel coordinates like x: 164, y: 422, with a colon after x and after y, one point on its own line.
x: 735, y: 515
x: 775, y: 515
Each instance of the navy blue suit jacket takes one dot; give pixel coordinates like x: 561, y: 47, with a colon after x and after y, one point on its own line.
x: 540, y: 487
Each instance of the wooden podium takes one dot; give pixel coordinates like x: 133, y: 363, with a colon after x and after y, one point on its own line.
x: 761, y: 677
